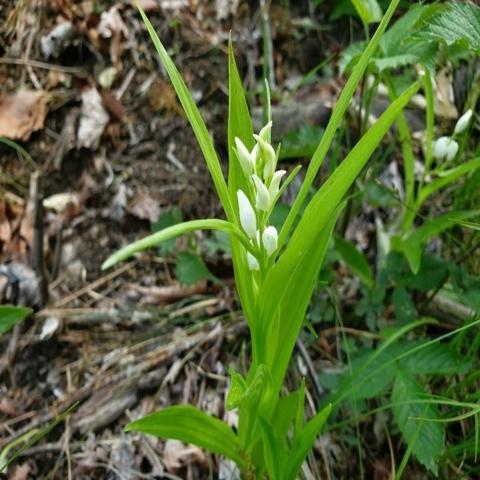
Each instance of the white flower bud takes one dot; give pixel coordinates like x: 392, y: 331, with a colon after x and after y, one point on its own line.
x: 248, y: 220
x: 266, y: 132
x: 262, y: 197
x: 245, y: 158
x: 440, y: 148
x: 252, y: 262
x: 275, y: 184
x: 270, y: 240
x: 462, y: 122
x: 269, y: 157
x: 452, y: 150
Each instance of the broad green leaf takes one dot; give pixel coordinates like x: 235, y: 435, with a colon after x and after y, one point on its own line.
x: 335, y: 121
x: 194, y: 117
x: 368, y: 10
x: 305, y: 441
x: 426, y: 439
x: 274, y: 451
x: 171, y: 232
x: 190, y: 268
x: 10, y: 315
x: 458, y: 22
x: 190, y: 425
x: 286, y: 411
x: 236, y: 391
x: 355, y: 260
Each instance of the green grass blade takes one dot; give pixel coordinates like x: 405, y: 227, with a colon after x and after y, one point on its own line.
x: 335, y: 121
x: 447, y: 178
x: 190, y: 425
x: 194, y: 117
x: 172, y: 232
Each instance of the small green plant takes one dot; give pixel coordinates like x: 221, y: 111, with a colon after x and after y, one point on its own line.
x: 275, y: 271
x: 10, y: 315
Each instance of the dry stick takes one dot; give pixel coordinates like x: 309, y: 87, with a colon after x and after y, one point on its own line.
x: 93, y: 285
x: 37, y: 64
x: 127, y: 377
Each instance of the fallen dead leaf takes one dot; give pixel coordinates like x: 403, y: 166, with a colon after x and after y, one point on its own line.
x: 144, y: 206
x: 22, y: 472
x: 93, y: 119
x: 22, y: 113
x: 176, y: 455
x: 60, y: 201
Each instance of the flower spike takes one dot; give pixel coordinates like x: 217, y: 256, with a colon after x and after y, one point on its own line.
x: 248, y: 220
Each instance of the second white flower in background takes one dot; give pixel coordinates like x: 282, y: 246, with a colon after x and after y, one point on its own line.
x: 462, y: 122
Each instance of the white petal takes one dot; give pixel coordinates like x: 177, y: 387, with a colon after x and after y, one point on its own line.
x: 262, y: 197
x: 452, y: 150
x: 440, y: 147
x: 275, y: 183
x: 266, y: 132
x: 244, y: 157
x: 462, y: 122
x: 248, y: 220
x: 270, y: 239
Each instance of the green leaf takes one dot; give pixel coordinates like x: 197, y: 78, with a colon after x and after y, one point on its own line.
x: 437, y: 359
x: 190, y: 425
x: 194, y: 117
x: 239, y: 125
x: 368, y: 10
x: 458, y: 22
x: 191, y: 268
x: 426, y: 439
x: 412, y: 245
x: 447, y: 177
x: 405, y: 311
x: 275, y: 451
x: 355, y: 260
x: 172, y: 232
x: 305, y: 441
x: 237, y: 389
x: 10, y: 315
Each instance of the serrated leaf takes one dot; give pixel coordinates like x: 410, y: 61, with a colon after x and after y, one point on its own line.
x: 190, y: 425
x: 10, y: 315
x: 190, y: 268
x: 458, y: 22
x: 426, y: 439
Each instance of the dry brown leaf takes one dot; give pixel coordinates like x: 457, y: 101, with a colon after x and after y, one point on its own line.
x: 144, y: 206
x: 22, y: 113
x: 93, y: 119
x: 176, y: 454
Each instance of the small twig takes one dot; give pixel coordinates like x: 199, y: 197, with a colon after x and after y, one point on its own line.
x: 37, y: 64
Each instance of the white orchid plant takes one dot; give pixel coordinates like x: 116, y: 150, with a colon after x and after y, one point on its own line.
x: 275, y: 272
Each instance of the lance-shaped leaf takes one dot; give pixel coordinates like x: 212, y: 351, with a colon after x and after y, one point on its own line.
x: 335, y: 121
x: 194, y: 117
x: 172, y: 232
x: 190, y: 425
x: 305, y: 441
